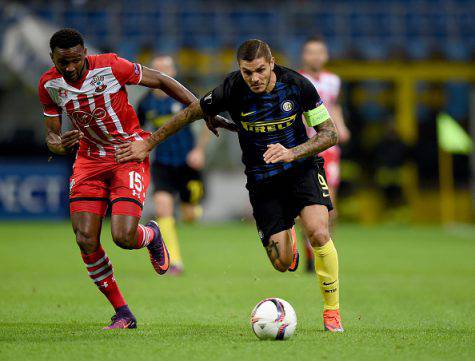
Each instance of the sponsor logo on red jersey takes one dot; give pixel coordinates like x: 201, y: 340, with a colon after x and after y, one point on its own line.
x: 83, y: 118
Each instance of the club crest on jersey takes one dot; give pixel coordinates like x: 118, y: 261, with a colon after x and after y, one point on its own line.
x: 287, y: 105
x: 98, y: 82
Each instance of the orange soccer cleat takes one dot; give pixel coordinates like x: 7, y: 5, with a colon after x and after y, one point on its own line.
x: 295, y: 262
x: 332, y: 321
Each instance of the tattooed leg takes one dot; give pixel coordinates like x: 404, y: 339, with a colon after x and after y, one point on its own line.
x: 273, y: 249
x: 279, y: 250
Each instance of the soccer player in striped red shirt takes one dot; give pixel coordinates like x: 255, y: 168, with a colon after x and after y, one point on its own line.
x: 314, y: 58
x: 89, y: 90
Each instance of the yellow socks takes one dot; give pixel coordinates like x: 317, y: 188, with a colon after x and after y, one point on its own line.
x: 326, y: 267
x: 168, y: 229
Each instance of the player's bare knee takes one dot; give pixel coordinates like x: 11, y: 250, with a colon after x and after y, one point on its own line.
x: 319, y: 237
x: 124, y: 238
x: 86, y: 240
x: 280, y: 266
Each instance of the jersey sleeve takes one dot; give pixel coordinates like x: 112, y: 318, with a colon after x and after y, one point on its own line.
x: 314, y: 111
x: 50, y: 108
x: 125, y: 71
x: 217, y: 100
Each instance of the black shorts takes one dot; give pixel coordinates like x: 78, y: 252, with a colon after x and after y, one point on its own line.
x: 277, y: 201
x: 182, y: 180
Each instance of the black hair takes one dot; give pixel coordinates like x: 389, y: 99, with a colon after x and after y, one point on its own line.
x: 65, y: 39
x: 253, y: 49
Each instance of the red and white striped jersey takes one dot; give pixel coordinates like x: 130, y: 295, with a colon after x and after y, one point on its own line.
x: 97, y: 104
x: 328, y: 87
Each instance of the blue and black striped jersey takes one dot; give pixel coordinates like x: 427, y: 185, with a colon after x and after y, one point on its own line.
x: 263, y: 119
x: 156, y: 111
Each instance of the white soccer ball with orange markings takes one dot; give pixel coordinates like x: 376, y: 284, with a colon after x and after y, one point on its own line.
x: 273, y: 319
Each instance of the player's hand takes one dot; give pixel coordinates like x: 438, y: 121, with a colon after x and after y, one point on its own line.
x: 70, y: 139
x: 196, y: 159
x: 278, y: 153
x: 63, y: 144
x: 133, y: 151
x: 213, y: 123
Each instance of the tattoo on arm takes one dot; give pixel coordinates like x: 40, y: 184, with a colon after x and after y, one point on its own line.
x: 188, y: 115
x: 273, y: 250
x: 326, y: 137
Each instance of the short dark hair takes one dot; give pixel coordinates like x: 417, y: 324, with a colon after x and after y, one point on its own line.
x: 314, y: 39
x: 65, y: 39
x: 253, y: 49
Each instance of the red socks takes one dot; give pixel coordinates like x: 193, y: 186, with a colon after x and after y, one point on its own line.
x: 144, y: 236
x: 100, y: 271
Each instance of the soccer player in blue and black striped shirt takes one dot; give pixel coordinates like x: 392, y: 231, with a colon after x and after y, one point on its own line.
x: 176, y: 163
x: 285, y: 177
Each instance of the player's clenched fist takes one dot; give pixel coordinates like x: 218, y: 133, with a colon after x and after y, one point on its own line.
x: 278, y: 153
x: 134, y: 151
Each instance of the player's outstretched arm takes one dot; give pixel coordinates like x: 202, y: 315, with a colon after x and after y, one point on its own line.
x: 60, y: 143
x: 326, y: 137
x: 138, y: 150
x: 157, y: 80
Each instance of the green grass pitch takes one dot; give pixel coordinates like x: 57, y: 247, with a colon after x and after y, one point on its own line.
x: 407, y: 293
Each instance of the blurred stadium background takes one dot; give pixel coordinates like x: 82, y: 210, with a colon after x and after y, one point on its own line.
x: 402, y: 63
x: 407, y: 283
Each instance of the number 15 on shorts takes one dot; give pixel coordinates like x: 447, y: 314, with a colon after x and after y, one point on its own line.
x: 135, y: 183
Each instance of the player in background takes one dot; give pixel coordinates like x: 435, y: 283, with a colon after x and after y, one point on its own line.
x: 89, y: 90
x: 176, y: 164
x: 285, y: 177
x: 314, y: 58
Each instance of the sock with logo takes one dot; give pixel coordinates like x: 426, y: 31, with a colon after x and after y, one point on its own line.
x: 144, y: 236
x: 99, y: 268
x: 326, y: 267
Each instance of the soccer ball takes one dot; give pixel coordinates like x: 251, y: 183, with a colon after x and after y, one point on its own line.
x: 273, y: 319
